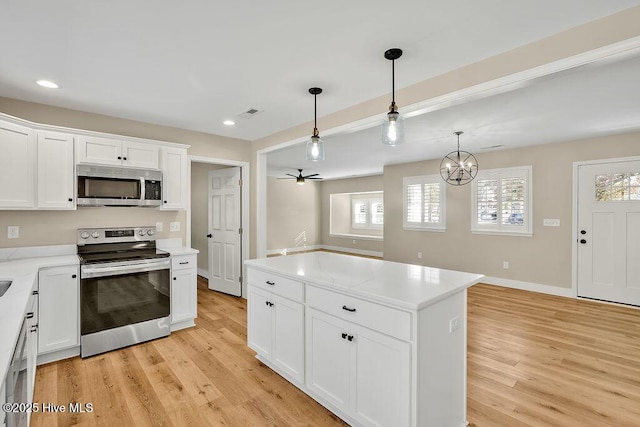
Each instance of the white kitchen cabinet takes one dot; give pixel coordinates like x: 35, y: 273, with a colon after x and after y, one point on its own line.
x: 17, y: 166
x: 56, y: 171
x: 276, y: 331
x: 175, y: 180
x: 107, y: 151
x: 59, y: 307
x: 184, y: 304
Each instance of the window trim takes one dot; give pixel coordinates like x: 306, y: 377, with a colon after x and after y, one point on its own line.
x: 368, y: 202
x: 499, y: 228
x: 440, y: 226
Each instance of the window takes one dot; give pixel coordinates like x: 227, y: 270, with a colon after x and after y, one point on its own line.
x: 618, y: 187
x: 367, y: 212
x: 501, y: 201
x: 423, y: 203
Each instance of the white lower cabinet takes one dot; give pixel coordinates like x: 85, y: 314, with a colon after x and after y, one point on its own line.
x: 184, y: 291
x: 362, y: 372
x: 276, y: 331
x: 59, y: 306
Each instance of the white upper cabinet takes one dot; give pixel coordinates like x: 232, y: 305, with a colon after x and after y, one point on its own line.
x: 17, y: 166
x: 175, y: 181
x: 107, y: 151
x: 55, y: 171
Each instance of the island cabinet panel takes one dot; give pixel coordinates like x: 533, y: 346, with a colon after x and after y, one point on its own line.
x: 384, y: 342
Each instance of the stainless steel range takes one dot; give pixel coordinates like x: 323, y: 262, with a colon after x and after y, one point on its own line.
x: 125, y: 290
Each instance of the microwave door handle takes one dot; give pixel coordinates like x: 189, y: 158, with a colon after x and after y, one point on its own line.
x: 142, y: 189
x: 88, y: 273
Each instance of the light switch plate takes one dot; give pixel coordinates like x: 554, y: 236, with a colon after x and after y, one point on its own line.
x: 13, y: 232
x: 547, y: 222
x: 159, y: 226
x: 174, y: 226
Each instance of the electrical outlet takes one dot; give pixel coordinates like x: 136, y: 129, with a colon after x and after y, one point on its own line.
x: 158, y: 226
x: 13, y: 232
x: 419, y: 255
x: 454, y: 324
x: 505, y: 265
x: 551, y: 222
x: 174, y: 226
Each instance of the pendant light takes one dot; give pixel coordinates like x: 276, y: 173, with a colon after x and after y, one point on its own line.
x: 458, y: 167
x: 315, y: 146
x: 393, y: 127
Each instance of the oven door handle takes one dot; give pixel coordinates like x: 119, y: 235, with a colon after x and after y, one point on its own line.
x: 91, y: 272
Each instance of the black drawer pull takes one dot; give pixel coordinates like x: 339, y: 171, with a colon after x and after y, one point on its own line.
x: 184, y: 262
x: 350, y: 337
x: 70, y: 199
x: 352, y: 310
x: 270, y: 283
x: 73, y: 276
x: 344, y: 335
x: 124, y: 158
x: 119, y: 157
x: 30, y: 315
x: 269, y: 303
x: 35, y: 292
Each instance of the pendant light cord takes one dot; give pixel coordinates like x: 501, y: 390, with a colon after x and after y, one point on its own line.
x: 315, y: 111
x: 393, y: 82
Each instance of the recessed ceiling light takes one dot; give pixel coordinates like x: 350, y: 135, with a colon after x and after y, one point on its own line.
x: 48, y: 84
x: 229, y: 122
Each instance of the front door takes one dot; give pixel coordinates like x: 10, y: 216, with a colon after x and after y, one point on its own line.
x: 225, y: 252
x: 609, y: 231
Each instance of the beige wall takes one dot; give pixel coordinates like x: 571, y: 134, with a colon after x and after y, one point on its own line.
x: 351, y: 185
x: 200, y: 210
x: 544, y: 258
x: 291, y: 210
x: 611, y: 29
x: 58, y: 227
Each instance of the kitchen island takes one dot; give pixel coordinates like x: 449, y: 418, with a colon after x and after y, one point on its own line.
x: 376, y: 342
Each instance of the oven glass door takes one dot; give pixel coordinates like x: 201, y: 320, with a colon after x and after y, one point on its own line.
x: 122, y: 299
x: 109, y: 188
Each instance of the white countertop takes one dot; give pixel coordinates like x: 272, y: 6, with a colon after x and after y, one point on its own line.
x: 182, y: 250
x: 401, y: 285
x: 13, y: 304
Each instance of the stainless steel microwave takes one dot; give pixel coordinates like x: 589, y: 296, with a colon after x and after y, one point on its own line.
x: 114, y: 186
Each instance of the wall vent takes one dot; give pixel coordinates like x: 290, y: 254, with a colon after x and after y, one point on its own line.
x: 250, y: 112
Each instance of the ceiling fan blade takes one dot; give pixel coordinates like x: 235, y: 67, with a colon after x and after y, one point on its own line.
x: 309, y: 176
x: 285, y: 178
x: 288, y: 174
x: 313, y: 178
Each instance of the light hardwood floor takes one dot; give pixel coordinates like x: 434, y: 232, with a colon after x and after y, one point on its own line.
x: 534, y: 360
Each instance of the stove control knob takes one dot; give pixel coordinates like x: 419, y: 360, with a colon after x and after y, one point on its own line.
x: 95, y: 234
x: 141, y: 232
x: 151, y: 232
x: 84, y: 235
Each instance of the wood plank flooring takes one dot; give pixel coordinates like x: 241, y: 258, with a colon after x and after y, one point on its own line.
x: 534, y: 360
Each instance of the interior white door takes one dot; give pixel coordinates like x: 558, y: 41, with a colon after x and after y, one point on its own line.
x: 609, y: 231
x: 225, y: 251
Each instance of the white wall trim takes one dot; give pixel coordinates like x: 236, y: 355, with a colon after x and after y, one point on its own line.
x: 358, y: 236
x: 204, y: 273
x: 351, y: 250
x: 285, y: 251
x: 528, y: 286
x: 574, y: 213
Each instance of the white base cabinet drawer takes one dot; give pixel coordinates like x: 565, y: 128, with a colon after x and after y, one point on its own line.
x: 390, y: 321
x: 270, y: 282
x: 182, y: 262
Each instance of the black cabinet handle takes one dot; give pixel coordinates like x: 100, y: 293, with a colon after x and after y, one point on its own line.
x: 208, y: 235
x: 352, y: 310
x: 70, y: 199
x: 344, y: 335
x: 270, y: 283
x: 73, y: 276
x: 124, y: 158
x: 30, y: 315
x: 583, y: 241
x: 269, y: 303
x: 175, y: 278
x: 119, y: 157
x: 165, y: 201
x: 583, y: 231
x: 184, y: 262
x: 35, y: 292
x: 34, y: 328
x: 350, y: 337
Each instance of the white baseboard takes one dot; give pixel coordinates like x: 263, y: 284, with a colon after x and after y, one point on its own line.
x: 204, y: 273
x: 285, y: 251
x: 528, y: 286
x: 352, y: 250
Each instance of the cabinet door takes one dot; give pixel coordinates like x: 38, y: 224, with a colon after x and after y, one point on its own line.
x: 288, y: 336
x: 55, y: 171
x: 183, y: 295
x: 59, y: 306
x: 327, y: 358
x: 17, y: 166
x: 259, y: 325
x: 174, y: 178
x: 380, y: 392
x: 140, y: 155
x: 102, y: 151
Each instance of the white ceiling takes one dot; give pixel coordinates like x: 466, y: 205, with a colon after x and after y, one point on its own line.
x: 598, y: 99
x: 194, y: 63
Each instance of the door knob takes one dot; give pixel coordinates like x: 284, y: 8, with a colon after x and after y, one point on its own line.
x: 209, y: 236
x: 583, y: 241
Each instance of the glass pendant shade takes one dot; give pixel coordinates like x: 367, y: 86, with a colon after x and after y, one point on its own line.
x: 315, y: 149
x: 393, y: 129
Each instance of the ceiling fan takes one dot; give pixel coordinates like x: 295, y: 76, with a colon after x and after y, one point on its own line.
x: 301, y: 178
